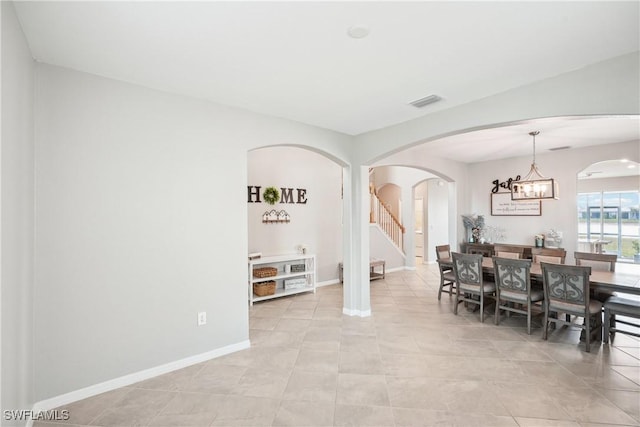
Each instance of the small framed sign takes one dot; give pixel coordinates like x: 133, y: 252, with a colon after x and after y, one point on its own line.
x: 502, y: 205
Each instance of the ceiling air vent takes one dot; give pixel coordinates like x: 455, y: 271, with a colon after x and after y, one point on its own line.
x: 565, y: 147
x: 423, y: 102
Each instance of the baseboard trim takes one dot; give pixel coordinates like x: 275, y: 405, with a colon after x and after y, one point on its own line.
x: 327, y: 283
x: 93, y: 390
x: 359, y: 313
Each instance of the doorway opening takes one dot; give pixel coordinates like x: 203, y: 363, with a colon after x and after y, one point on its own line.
x: 608, y: 203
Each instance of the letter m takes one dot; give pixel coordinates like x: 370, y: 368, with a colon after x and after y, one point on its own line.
x: 287, y: 195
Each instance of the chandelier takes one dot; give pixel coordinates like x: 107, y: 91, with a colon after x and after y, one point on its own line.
x: 534, y: 186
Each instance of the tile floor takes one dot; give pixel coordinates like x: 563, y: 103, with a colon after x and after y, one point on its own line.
x: 412, y: 363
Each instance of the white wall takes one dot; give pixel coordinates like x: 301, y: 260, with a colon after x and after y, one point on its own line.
x: 318, y: 223
x: 17, y: 226
x: 620, y: 183
x: 557, y: 214
x: 382, y: 247
x: 141, y: 223
x: 391, y: 195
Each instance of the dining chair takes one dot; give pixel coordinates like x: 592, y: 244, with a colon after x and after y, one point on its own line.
x: 467, y: 269
x: 548, y: 255
x: 616, y: 305
x: 513, y: 286
x: 447, y: 277
x: 505, y: 251
x: 600, y: 262
x: 566, y: 290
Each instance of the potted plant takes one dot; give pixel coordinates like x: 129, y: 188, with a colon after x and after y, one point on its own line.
x: 636, y: 249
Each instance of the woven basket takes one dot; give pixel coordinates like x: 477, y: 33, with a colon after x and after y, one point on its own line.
x: 265, y: 272
x: 264, y: 288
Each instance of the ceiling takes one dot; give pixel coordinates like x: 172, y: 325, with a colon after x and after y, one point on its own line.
x: 295, y: 60
x: 513, y: 140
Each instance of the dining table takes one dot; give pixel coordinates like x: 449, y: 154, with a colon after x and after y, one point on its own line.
x: 620, y: 282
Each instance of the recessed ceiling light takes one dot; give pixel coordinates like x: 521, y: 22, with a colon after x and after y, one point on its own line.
x: 358, y: 31
x: 624, y: 160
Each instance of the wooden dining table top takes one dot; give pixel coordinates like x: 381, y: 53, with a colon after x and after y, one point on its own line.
x: 627, y: 283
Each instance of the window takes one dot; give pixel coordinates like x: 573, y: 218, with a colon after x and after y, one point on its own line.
x: 610, y: 216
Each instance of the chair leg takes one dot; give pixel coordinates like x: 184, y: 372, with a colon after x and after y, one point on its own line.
x: 529, y: 318
x: 607, y: 325
x: 497, y: 314
x: 545, y: 324
x: 613, y: 321
x: 440, y: 290
x: 455, y: 306
x: 481, y: 307
x: 587, y: 337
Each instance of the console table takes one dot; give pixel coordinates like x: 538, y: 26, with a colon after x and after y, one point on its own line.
x: 487, y: 249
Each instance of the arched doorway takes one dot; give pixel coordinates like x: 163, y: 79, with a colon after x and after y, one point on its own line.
x: 313, y: 206
x: 608, y: 204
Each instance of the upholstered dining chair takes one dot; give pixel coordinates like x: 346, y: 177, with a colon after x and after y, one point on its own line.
x: 566, y: 290
x: 447, y: 277
x: 548, y: 255
x: 469, y: 281
x: 513, y: 286
x: 505, y: 251
x: 599, y: 262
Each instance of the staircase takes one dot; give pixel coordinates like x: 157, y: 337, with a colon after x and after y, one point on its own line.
x: 387, y: 221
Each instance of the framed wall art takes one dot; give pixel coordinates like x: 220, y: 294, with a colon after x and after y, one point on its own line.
x: 502, y: 205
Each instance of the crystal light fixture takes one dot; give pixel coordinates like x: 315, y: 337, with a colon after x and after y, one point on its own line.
x: 534, y: 186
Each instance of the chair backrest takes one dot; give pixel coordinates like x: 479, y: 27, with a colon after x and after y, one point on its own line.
x: 512, y: 275
x: 467, y: 269
x: 600, y: 262
x: 566, y: 287
x: 443, y: 251
x: 511, y: 255
x: 548, y: 255
x: 506, y: 251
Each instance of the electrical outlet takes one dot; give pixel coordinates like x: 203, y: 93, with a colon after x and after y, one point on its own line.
x: 202, y: 318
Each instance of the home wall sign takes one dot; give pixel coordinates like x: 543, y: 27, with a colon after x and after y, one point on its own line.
x: 502, y: 205
x: 298, y: 196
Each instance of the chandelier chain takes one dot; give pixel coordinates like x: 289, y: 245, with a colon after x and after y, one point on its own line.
x: 533, y: 134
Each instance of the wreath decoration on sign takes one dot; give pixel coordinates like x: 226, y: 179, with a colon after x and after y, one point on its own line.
x: 271, y: 195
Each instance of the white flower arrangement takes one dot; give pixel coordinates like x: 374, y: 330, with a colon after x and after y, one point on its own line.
x: 494, y: 234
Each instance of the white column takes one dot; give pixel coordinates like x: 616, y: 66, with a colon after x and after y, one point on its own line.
x: 357, y: 301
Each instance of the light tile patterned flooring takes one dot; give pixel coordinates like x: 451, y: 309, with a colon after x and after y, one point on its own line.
x: 412, y: 363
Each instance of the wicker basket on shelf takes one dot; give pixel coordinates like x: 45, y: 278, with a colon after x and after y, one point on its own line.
x: 265, y: 272
x: 262, y: 289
